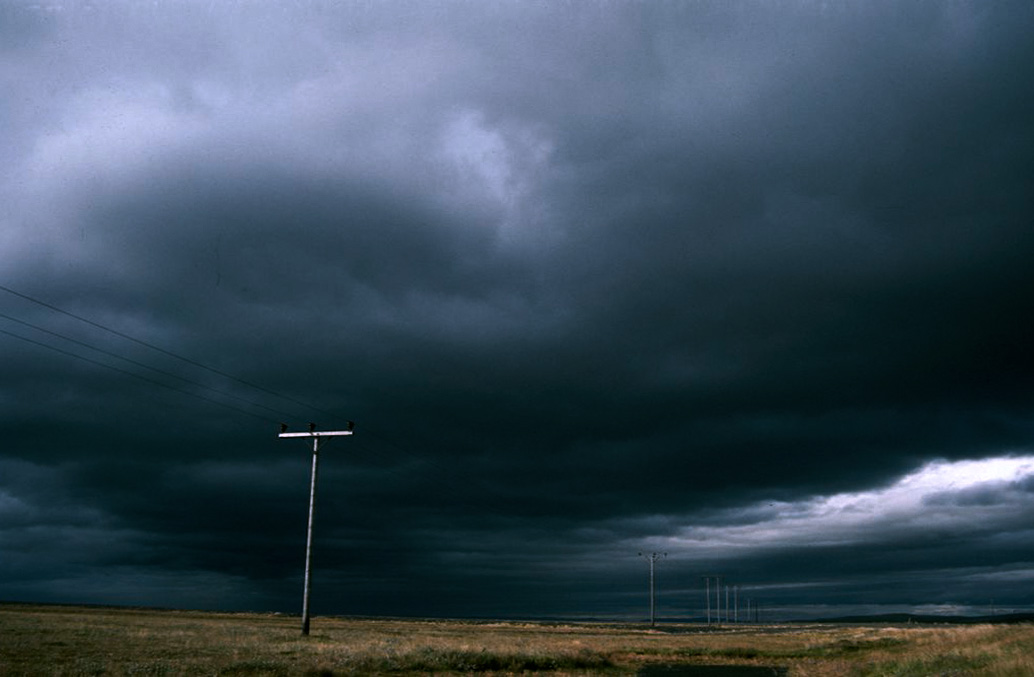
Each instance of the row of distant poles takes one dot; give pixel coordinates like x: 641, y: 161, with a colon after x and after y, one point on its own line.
x: 732, y: 591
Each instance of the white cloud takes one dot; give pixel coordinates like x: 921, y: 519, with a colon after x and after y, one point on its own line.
x: 494, y: 164
x: 112, y: 133
x: 479, y: 153
x: 916, y: 503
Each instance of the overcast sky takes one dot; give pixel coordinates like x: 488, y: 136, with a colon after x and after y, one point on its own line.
x: 746, y: 283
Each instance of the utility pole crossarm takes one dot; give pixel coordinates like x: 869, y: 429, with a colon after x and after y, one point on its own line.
x: 312, y: 432
x: 324, y: 433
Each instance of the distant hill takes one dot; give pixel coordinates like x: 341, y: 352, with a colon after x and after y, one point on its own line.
x: 920, y: 618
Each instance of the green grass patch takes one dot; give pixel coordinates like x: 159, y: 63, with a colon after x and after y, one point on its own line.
x: 431, y: 660
x: 947, y: 664
x: 67, y: 641
x: 835, y: 649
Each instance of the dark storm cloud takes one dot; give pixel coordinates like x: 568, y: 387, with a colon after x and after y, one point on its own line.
x: 593, y: 281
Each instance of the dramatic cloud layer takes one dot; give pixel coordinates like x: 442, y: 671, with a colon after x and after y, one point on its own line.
x: 746, y: 283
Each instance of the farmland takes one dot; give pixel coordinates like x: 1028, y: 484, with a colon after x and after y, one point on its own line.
x: 57, y: 640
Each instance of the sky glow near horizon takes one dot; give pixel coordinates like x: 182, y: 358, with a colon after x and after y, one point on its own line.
x: 744, y: 282
x: 990, y: 489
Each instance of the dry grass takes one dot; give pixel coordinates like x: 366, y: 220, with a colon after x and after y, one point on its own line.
x: 100, y: 641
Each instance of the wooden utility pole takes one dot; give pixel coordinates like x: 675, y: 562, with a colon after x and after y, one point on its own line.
x: 717, y: 598
x: 317, y: 437
x: 707, y: 596
x: 651, y: 558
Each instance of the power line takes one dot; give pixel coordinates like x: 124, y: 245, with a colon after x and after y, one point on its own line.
x: 450, y: 474
x: 159, y: 349
x: 139, y: 364
x: 133, y: 374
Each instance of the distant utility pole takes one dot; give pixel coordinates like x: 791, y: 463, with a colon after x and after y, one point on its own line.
x: 651, y: 558
x: 317, y: 437
x: 707, y: 596
x: 717, y: 598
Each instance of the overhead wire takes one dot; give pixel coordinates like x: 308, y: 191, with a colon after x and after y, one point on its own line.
x: 158, y: 348
x: 448, y: 473
x: 129, y: 373
x: 116, y: 356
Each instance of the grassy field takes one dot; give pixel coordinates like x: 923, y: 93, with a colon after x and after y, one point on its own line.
x: 52, y: 640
